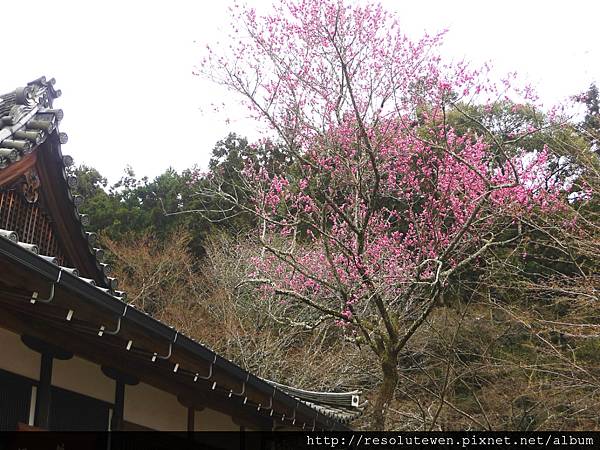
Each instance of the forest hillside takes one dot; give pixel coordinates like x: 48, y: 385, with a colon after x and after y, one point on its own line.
x: 513, y: 342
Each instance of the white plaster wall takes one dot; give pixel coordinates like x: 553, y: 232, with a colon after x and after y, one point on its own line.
x: 150, y: 407
x: 211, y: 420
x: 84, y: 377
x: 16, y: 357
x: 144, y: 404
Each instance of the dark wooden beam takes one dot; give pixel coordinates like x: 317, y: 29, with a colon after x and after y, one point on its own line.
x: 15, y: 170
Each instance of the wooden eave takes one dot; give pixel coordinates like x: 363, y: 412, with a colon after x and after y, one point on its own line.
x: 91, y: 309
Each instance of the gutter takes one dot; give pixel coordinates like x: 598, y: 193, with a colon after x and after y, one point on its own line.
x: 55, y: 274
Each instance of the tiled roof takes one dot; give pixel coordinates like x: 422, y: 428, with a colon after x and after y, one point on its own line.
x: 27, y: 118
x: 14, y: 237
x: 341, y: 406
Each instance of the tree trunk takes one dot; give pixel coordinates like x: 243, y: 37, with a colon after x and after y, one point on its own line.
x: 389, y: 367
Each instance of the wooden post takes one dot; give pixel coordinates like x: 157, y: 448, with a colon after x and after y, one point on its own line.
x: 191, y: 419
x: 242, y: 437
x: 43, y: 399
x: 43, y: 395
x: 121, y: 379
x: 116, y: 423
x: 191, y: 423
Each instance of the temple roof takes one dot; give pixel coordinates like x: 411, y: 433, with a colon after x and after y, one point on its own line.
x: 29, y: 137
x: 30, y: 141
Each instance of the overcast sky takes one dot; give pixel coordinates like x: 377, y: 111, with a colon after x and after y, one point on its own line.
x: 125, y: 67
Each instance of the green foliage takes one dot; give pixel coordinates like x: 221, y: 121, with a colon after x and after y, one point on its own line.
x: 171, y: 200
x: 592, y: 101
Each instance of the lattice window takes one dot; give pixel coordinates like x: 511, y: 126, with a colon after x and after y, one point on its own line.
x: 29, y: 221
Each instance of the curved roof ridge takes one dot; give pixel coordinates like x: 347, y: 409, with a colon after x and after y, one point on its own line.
x: 274, y: 383
x: 346, y: 404
x: 344, y: 415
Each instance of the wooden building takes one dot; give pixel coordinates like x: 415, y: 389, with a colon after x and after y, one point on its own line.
x: 74, y: 354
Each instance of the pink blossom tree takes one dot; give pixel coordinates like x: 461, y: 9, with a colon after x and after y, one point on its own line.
x: 384, y: 201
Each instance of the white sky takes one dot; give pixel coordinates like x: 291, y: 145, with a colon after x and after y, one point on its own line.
x: 125, y: 67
